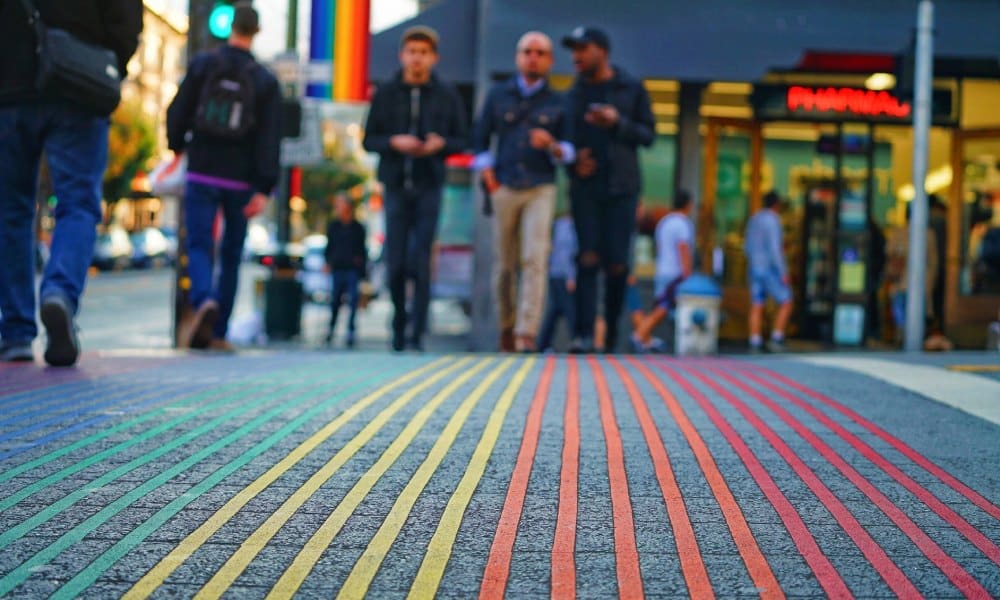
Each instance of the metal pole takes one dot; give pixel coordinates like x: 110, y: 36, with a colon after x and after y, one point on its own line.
x: 292, y: 36
x: 917, y: 261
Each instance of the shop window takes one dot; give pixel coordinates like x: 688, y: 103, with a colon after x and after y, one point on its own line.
x: 980, y: 252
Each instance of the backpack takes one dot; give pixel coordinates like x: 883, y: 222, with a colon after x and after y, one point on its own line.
x: 227, y: 105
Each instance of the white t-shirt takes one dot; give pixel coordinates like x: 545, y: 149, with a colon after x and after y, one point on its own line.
x: 673, y: 229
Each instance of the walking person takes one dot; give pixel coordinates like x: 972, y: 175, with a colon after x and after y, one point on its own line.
x: 530, y: 125
x: 227, y: 117
x: 347, y: 260
x: 562, y: 281
x: 768, y: 273
x: 74, y: 139
x: 415, y: 120
x: 611, y: 117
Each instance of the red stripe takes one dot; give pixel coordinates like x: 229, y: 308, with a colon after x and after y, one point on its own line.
x: 893, y: 576
x: 972, y: 495
x: 760, y: 571
x: 564, y: 547
x: 955, y: 573
x: 498, y: 566
x: 991, y: 550
x: 692, y: 565
x: 626, y: 553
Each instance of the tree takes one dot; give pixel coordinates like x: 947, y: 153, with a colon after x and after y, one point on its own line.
x: 131, y: 145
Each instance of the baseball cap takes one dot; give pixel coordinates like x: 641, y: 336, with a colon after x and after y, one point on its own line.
x: 420, y: 33
x: 246, y: 21
x: 586, y: 35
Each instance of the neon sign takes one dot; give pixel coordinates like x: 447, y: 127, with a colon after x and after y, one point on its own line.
x: 846, y: 101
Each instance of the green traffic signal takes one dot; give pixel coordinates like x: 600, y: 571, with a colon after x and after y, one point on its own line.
x: 220, y: 21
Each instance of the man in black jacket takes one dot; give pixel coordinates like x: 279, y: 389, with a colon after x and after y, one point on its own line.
x: 612, y: 117
x: 76, y: 146
x: 415, y: 121
x: 347, y: 260
x: 227, y: 117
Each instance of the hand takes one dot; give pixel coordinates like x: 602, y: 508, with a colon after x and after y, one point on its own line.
x: 490, y: 181
x: 406, y: 144
x: 541, y: 139
x: 604, y: 117
x: 432, y: 145
x: 586, y: 166
x: 570, y: 286
x: 326, y: 268
x: 256, y: 205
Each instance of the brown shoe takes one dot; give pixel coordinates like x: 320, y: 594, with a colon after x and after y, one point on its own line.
x: 507, y: 343
x: 202, y: 324
x: 220, y: 345
x: 526, y: 344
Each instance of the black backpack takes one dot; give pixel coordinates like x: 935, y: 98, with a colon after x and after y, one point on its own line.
x: 227, y: 106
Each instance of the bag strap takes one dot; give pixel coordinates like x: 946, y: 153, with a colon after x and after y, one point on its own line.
x: 534, y: 101
x: 35, y: 20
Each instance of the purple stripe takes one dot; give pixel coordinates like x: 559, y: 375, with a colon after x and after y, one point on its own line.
x: 219, y: 182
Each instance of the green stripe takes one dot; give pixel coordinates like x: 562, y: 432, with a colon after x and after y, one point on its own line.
x: 22, y: 572
x: 101, y: 564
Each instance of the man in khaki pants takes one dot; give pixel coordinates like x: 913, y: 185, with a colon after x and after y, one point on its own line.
x: 529, y: 123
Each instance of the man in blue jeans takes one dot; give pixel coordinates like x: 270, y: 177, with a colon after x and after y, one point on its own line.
x: 75, y: 143
x: 227, y: 117
x: 768, y: 273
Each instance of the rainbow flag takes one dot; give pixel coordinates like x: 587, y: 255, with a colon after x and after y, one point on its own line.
x: 340, y: 31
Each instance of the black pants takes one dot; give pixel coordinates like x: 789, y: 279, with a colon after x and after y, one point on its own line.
x: 411, y: 224
x: 560, y: 304
x: 345, y: 284
x: 604, y: 228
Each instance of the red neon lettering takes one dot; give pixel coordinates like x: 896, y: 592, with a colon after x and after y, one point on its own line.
x: 866, y: 103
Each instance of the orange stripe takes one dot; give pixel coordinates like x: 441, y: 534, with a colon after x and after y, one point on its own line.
x: 564, y: 547
x: 342, y: 58
x: 498, y: 566
x: 760, y: 571
x: 692, y: 564
x: 626, y: 553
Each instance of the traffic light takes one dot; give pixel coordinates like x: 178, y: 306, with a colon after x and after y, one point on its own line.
x: 220, y: 20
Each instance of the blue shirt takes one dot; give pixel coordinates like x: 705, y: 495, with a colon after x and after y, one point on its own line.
x: 562, y: 260
x: 763, y: 243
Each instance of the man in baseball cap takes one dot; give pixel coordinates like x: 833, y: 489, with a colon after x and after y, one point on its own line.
x: 581, y: 36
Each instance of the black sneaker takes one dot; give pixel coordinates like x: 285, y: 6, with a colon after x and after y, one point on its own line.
x: 203, y: 324
x: 398, y: 342
x: 16, y: 352
x: 776, y: 346
x: 581, y: 345
x: 63, y: 346
x: 416, y: 344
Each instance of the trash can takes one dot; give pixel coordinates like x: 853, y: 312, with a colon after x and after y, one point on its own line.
x: 696, y: 328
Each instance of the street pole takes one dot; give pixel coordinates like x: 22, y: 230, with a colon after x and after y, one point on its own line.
x: 917, y: 261
x: 292, y: 38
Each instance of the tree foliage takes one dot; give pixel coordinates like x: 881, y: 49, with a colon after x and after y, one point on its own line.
x: 131, y: 145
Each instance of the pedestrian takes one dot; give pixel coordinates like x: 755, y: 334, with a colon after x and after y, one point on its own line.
x: 227, y: 117
x: 73, y: 134
x: 768, y: 273
x: 347, y: 260
x: 611, y: 118
x: 415, y: 120
x: 530, y: 125
x: 674, y: 263
x: 562, y: 280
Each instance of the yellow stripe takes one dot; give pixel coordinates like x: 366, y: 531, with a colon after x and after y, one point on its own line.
x: 292, y: 579
x: 155, y: 577
x: 356, y: 586
x: 439, y: 551
x: 975, y: 368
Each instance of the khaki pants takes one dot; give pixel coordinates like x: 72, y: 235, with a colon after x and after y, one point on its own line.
x: 522, y: 239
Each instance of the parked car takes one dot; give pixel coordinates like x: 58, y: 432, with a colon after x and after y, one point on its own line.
x: 150, y: 248
x: 317, y: 285
x: 113, y: 250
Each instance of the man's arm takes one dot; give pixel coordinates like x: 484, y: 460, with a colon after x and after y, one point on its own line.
x: 377, y: 132
x: 180, y: 114
x: 122, y: 21
x: 456, y: 139
x: 777, y: 250
x: 638, y: 127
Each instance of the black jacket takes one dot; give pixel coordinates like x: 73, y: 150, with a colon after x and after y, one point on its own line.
x: 113, y: 24
x: 345, y: 246
x: 253, y: 160
x: 441, y: 112
x: 636, y: 127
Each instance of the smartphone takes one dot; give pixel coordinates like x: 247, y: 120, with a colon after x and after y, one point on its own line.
x: 595, y: 106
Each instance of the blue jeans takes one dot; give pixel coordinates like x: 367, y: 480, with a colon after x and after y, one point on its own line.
x: 76, y: 146
x: 561, y: 304
x: 345, y: 283
x: 201, y: 204
x: 411, y: 224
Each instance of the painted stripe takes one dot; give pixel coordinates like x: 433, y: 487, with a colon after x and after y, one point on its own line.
x: 168, y: 564
x: 293, y: 397
x: 441, y: 547
x: 290, y: 581
x: 361, y: 576
x: 969, y: 393
x: 57, y: 396
x: 564, y: 545
x: 757, y: 566
x: 897, y: 581
x: 899, y: 445
x: 976, y: 537
x: 626, y: 552
x: 78, y: 585
x: 692, y: 564
x: 949, y: 566
x: 498, y: 565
